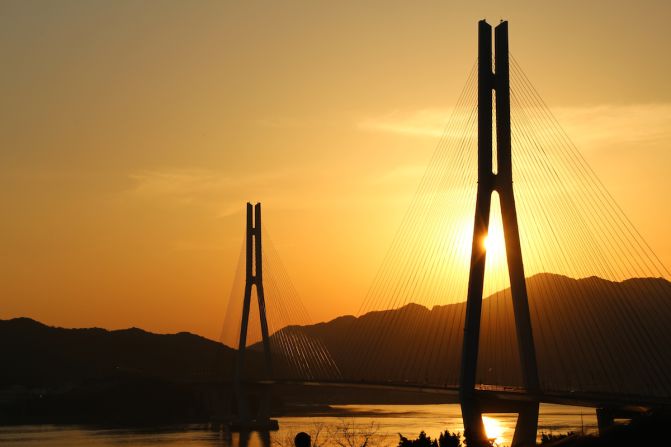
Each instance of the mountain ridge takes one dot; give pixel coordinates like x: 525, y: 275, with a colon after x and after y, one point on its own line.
x: 570, y: 353
x: 590, y: 333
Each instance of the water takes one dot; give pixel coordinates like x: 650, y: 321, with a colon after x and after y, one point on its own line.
x: 380, y: 424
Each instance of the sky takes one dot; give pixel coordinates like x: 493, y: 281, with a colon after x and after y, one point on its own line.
x: 133, y: 133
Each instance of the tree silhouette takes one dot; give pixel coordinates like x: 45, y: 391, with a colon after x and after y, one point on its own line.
x: 445, y: 439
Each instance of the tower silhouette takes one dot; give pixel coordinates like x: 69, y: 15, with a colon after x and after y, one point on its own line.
x: 253, y: 277
x: 472, y: 404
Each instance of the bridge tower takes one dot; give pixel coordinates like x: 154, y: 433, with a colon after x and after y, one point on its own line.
x: 253, y: 277
x: 473, y: 404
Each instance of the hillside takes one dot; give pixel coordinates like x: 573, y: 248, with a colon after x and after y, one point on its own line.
x: 590, y: 334
x: 95, y: 376
x: 36, y: 355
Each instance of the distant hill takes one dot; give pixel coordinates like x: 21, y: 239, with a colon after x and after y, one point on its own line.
x: 36, y: 355
x: 590, y: 334
x: 95, y: 376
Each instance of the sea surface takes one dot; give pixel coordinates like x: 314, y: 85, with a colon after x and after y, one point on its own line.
x: 349, y: 425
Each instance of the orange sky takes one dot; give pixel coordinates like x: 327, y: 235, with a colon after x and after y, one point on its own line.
x: 132, y: 134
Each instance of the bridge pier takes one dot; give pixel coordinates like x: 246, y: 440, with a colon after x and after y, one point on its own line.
x: 253, y: 409
x: 527, y: 425
x: 474, y: 428
x: 605, y: 416
x: 605, y: 419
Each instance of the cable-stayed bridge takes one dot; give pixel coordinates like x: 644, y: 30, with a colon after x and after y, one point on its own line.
x: 548, y: 295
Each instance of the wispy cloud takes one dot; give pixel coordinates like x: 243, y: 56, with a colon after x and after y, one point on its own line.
x: 182, y: 185
x: 220, y: 193
x: 289, y: 122
x: 400, y: 174
x: 206, y: 246
x: 421, y: 123
x: 589, y: 126
x: 635, y: 123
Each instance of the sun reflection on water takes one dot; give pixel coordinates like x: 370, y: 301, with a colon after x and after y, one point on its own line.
x: 494, y: 429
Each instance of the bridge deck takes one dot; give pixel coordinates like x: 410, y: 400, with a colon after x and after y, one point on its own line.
x: 497, y: 396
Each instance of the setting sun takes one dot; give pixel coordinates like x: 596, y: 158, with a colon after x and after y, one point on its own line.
x: 492, y: 244
x: 495, y: 243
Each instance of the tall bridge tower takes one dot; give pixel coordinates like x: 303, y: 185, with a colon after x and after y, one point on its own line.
x: 472, y: 404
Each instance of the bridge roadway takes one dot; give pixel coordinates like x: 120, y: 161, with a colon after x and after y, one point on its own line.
x: 498, y: 399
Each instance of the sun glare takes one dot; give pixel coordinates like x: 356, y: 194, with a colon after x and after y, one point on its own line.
x: 494, y: 242
x: 493, y: 429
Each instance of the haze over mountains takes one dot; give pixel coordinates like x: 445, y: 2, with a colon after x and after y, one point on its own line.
x: 588, y: 336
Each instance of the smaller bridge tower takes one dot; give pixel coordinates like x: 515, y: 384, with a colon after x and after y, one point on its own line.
x: 253, y: 277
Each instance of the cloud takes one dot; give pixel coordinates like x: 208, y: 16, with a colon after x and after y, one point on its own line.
x: 182, y: 185
x: 207, y: 246
x: 588, y: 126
x: 635, y: 123
x: 221, y: 194
x: 421, y: 123
x: 400, y: 174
